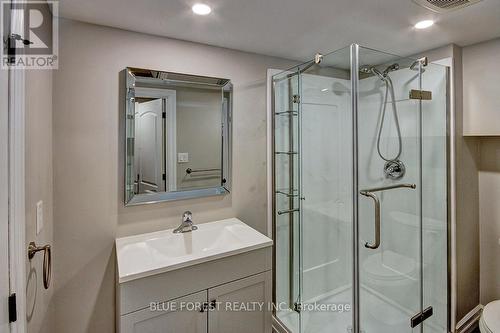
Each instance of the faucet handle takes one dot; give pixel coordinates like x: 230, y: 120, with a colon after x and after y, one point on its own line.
x: 187, y: 223
x: 187, y: 216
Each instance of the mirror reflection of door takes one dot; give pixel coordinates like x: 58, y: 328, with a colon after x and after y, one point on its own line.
x: 150, y: 157
x: 178, y: 136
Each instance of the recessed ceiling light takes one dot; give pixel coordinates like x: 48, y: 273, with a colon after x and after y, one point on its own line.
x: 424, y: 24
x: 201, y: 9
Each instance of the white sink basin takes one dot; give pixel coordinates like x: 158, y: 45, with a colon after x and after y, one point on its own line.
x: 158, y: 252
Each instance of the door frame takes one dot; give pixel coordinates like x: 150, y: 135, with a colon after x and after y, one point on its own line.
x: 171, y: 127
x: 141, y: 109
x: 17, y: 220
x: 13, y: 195
x: 4, y: 201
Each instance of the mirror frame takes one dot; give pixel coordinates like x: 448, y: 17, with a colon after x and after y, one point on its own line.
x: 158, y: 78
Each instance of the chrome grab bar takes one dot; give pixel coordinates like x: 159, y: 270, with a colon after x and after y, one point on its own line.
x: 370, y: 193
x: 190, y: 171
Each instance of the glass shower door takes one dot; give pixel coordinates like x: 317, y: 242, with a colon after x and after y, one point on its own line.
x: 326, y: 195
x: 389, y: 182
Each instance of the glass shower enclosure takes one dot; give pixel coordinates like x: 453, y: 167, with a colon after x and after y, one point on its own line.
x: 360, y: 196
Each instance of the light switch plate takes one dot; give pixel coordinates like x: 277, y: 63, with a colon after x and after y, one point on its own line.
x: 182, y: 157
x: 39, y: 216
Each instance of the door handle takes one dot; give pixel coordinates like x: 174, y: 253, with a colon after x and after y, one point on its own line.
x: 47, y: 261
x: 376, y: 201
x: 370, y: 193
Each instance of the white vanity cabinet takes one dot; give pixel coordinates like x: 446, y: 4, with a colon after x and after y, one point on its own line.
x: 242, y: 306
x: 196, y: 285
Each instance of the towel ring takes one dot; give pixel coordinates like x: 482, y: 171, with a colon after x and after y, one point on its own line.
x: 47, y: 261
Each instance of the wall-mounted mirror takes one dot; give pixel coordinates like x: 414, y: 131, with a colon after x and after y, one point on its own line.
x: 178, y: 136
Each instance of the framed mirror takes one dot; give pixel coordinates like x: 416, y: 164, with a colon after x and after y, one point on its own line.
x: 178, y: 136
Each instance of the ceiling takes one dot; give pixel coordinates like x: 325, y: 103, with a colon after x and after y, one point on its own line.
x: 295, y: 29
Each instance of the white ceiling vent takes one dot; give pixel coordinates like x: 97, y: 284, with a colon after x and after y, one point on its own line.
x: 443, y: 6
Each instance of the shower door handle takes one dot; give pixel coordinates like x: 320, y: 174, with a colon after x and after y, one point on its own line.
x: 376, y: 201
x: 369, y: 193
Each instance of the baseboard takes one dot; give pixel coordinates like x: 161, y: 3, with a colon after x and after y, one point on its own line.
x: 471, y: 320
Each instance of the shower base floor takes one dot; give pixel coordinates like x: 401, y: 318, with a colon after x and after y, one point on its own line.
x: 377, y: 316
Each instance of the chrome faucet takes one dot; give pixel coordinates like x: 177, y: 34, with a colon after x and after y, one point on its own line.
x: 187, y: 223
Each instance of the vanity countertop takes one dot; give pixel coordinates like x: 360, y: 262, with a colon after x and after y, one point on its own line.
x: 158, y: 252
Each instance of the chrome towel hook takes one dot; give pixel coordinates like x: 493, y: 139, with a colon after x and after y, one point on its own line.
x: 47, y: 261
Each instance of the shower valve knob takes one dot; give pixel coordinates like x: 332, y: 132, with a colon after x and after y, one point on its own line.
x: 394, y: 169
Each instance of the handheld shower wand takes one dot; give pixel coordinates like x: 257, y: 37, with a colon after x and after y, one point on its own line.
x: 393, y: 168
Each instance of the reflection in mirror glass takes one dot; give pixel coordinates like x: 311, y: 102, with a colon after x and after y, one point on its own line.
x: 178, y: 136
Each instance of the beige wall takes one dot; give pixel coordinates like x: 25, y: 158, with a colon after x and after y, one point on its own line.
x: 38, y: 187
x: 88, y: 154
x: 467, y: 204
x: 199, y: 135
x: 482, y: 118
x: 489, y: 204
x: 38, y: 164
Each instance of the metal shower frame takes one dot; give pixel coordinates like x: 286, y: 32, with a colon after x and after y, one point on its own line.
x: 418, y: 65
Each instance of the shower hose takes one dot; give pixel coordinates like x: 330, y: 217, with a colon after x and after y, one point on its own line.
x: 389, y: 88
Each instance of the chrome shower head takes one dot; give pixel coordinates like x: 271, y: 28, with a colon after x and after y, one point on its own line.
x: 422, y: 62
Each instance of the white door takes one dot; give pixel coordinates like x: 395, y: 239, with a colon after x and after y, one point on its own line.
x: 150, y: 147
x: 4, y: 195
x: 241, y: 306
x: 169, y: 318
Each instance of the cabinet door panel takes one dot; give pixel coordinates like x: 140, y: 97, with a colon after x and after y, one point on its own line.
x: 238, y: 306
x: 175, y: 316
